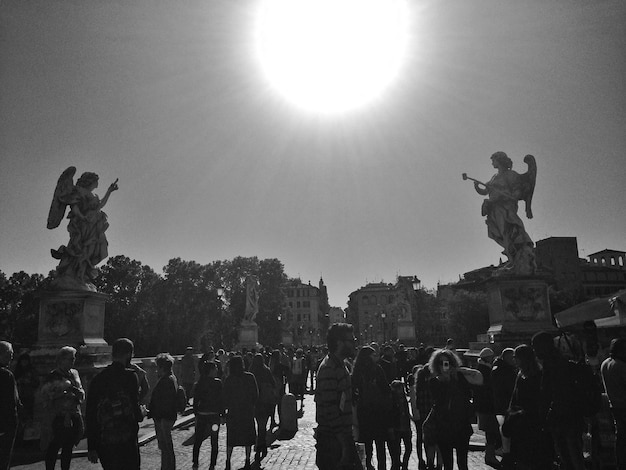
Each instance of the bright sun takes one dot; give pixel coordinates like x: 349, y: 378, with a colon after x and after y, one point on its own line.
x: 331, y: 55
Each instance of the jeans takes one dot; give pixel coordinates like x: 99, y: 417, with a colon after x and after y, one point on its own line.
x: 568, y: 445
x: 163, y: 429
x: 204, y: 425
x: 64, y: 438
x: 446, y: 450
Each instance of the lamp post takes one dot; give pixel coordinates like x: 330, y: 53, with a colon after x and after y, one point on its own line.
x: 383, y: 315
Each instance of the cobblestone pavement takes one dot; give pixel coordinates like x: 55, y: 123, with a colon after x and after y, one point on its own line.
x: 297, y: 453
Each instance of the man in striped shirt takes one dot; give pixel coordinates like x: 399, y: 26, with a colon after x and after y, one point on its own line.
x: 333, y: 400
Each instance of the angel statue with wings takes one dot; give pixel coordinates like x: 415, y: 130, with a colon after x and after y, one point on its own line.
x: 504, y: 225
x: 87, y: 224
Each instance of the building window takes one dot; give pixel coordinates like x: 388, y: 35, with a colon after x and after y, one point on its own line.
x: 290, y: 304
x: 306, y: 304
x: 366, y: 300
x: 391, y: 299
x: 298, y: 304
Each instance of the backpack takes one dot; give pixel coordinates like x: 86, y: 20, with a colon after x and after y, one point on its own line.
x: 181, y: 400
x: 116, y: 418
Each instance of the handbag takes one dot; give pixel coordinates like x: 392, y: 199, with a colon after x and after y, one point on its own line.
x: 514, y: 423
x: 432, y: 427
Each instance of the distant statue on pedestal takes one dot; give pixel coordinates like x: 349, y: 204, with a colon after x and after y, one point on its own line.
x: 252, y: 300
x: 87, y: 223
x: 504, y: 225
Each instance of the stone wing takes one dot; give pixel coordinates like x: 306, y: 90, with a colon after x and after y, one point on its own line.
x: 528, y: 184
x: 65, y: 186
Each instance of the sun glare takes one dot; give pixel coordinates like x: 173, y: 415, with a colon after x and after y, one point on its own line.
x: 331, y: 55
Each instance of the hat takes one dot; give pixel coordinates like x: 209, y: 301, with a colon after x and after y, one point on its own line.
x: 486, y: 352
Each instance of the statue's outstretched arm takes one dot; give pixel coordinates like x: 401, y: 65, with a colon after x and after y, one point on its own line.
x: 110, y: 189
x: 481, y: 189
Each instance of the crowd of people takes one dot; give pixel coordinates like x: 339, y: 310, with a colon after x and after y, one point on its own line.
x: 533, y: 402
x: 241, y: 390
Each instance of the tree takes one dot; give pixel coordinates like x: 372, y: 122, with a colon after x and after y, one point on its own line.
x: 19, y: 307
x: 272, y: 279
x: 466, y: 315
x: 187, y: 304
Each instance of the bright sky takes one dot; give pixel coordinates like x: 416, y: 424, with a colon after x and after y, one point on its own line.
x: 213, y: 163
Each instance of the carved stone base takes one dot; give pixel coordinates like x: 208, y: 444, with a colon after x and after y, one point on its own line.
x: 249, y: 336
x: 286, y: 338
x: 73, y: 318
x: 518, y: 306
x: 406, y: 332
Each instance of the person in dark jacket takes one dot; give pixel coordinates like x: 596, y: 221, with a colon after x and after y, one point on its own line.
x: 163, y: 409
x: 240, y: 397
x: 208, y: 408
x: 115, y: 450
x: 401, y: 427
x: 450, y: 388
x: 483, y: 403
x: 372, y: 397
x: 388, y: 364
x: 266, y: 403
x: 563, y: 416
x: 281, y: 373
x: 503, y: 377
x: 9, y: 405
x: 531, y: 444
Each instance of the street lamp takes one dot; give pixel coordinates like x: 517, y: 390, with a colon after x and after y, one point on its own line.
x: 416, y: 283
x: 383, y: 315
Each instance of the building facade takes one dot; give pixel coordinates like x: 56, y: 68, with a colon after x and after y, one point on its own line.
x: 305, y: 313
x: 383, y: 311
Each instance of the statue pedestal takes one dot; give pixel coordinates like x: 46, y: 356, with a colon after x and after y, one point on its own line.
x: 69, y: 318
x: 406, y: 332
x: 286, y: 338
x: 518, y: 306
x: 249, y: 336
x: 73, y: 318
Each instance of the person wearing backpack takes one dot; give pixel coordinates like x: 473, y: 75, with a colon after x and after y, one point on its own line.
x: 562, y: 410
x: 113, y: 413
x: 163, y: 409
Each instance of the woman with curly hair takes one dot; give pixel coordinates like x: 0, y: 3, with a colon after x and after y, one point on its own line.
x: 448, y: 424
